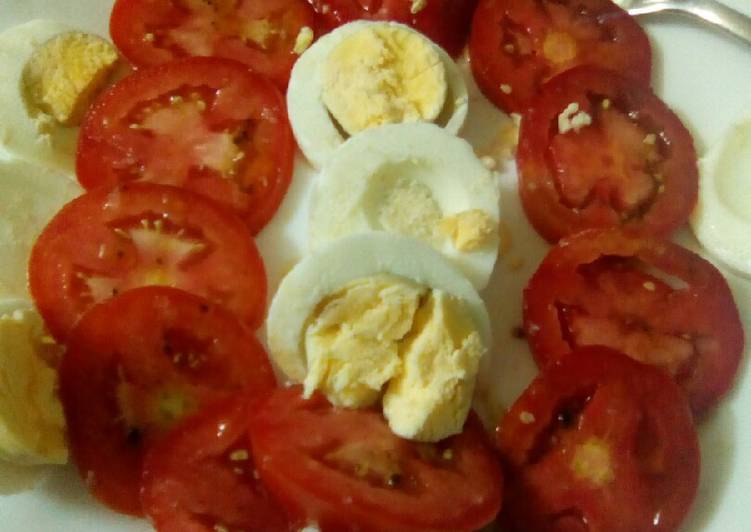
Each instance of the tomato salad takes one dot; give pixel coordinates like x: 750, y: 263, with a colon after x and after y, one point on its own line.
x: 172, y: 406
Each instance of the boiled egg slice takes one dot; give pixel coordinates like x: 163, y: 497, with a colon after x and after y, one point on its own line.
x: 31, y: 196
x: 51, y: 72
x: 417, y: 180
x: 376, y: 317
x: 722, y: 218
x: 364, y: 74
x: 32, y: 425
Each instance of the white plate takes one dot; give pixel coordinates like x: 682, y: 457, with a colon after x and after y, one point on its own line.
x: 703, y: 75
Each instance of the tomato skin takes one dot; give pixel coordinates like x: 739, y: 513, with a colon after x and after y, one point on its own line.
x: 653, y: 321
x: 85, y: 242
x: 154, y: 32
x: 192, y: 480
x: 594, y: 178
x: 137, y: 364
x: 602, y: 443
x: 446, y: 22
x: 509, y: 40
x: 313, y: 456
x: 237, y: 149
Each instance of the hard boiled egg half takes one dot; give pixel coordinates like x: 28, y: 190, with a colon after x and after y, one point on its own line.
x: 50, y: 73
x: 364, y: 74
x: 417, y: 180
x: 722, y: 218
x: 376, y: 317
x: 32, y: 426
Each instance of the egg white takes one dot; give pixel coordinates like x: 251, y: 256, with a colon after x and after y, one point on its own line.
x: 316, y: 131
x: 348, y: 259
x: 722, y: 218
x: 350, y: 187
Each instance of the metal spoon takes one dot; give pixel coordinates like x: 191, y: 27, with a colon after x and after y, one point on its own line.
x: 730, y: 20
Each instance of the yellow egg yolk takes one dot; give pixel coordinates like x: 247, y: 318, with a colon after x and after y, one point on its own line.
x: 383, y: 75
x: 387, y: 333
x: 64, y: 74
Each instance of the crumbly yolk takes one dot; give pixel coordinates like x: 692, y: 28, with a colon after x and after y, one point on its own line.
x: 65, y: 73
x: 430, y: 397
x: 469, y: 230
x: 352, y: 340
x: 383, y: 75
x: 410, y: 209
x: 387, y: 333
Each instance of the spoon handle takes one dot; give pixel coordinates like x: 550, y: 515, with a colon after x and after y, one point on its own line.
x: 727, y: 18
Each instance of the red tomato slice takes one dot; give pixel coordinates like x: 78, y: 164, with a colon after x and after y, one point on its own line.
x: 444, y: 21
x: 517, y: 45
x: 201, y: 477
x: 634, y: 166
x: 205, y: 124
x: 259, y: 33
x: 136, y: 365
x: 599, y: 443
x: 106, y: 242
x: 345, y: 470
x: 653, y: 300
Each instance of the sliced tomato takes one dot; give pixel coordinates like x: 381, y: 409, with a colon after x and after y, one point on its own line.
x: 633, y: 166
x: 517, y: 45
x: 651, y: 299
x: 260, y: 34
x: 106, y: 242
x: 599, y: 443
x: 201, y: 477
x: 135, y: 366
x: 444, y: 21
x: 346, y: 470
x: 205, y: 124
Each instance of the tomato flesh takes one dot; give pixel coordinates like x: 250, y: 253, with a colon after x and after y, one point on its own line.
x: 651, y: 299
x: 345, y: 470
x: 135, y: 366
x: 633, y: 166
x: 201, y: 476
x: 599, y: 443
x: 106, y: 242
x: 624, y: 161
x: 444, y: 21
x: 205, y: 124
x: 260, y: 34
x: 516, y: 46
